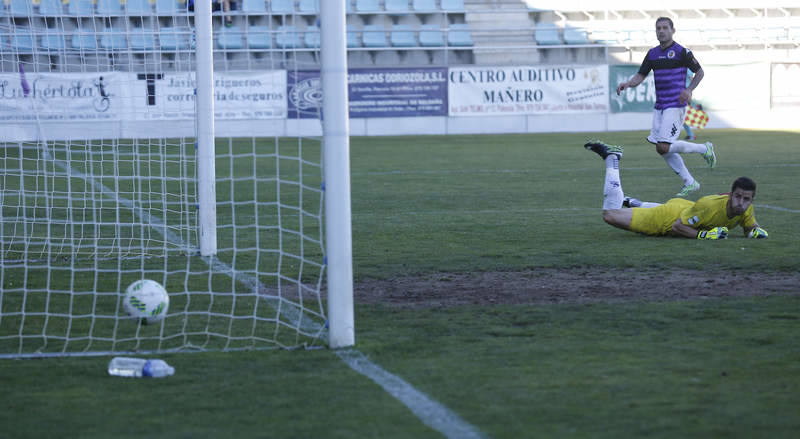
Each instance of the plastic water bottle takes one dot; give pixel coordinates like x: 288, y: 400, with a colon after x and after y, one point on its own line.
x: 139, y: 367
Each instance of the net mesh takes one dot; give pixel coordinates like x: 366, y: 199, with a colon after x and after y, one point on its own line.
x: 99, y: 182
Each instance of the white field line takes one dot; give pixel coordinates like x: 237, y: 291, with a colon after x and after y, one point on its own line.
x: 531, y: 171
x: 778, y: 208
x: 430, y: 412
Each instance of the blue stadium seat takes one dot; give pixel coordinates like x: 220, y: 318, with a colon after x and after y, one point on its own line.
x: 402, y: 36
x: 254, y: 7
x: 139, y: 7
x: 80, y: 7
x: 281, y: 6
x: 424, y: 6
x: 374, y: 36
x: 142, y: 39
x: 638, y: 38
x: 113, y: 39
x: 21, y: 40
x: 367, y: 6
x: 287, y: 37
x: 776, y: 34
x: 608, y: 36
x: 84, y: 41
x: 308, y: 6
x: 169, y: 7
x: 311, y: 37
x: 431, y: 35
x: 794, y: 34
x: 546, y: 34
x: 53, y: 41
x: 20, y: 8
x: 453, y: 5
x: 574, y: 35
x: 51, y: 8
x: 230, y: 38
x: 397, y: 6
x: 109, y: 7
x: 459, y: 35
x: 352, y: 39
x: 258, y: 37
x: 174, y: 38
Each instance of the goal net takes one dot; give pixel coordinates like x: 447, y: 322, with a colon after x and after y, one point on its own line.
x: 100, y: 181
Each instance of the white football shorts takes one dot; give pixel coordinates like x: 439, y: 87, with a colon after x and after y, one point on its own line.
x: 667, y: 125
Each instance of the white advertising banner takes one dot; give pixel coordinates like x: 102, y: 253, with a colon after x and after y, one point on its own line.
x: 514, y: 90
x: 61, y: 97
x: 245, y: 95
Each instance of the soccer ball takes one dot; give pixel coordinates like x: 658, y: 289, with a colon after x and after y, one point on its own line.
x: 146, y: 300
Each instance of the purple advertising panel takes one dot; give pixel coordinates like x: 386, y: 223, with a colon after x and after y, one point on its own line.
x: 407, y: 92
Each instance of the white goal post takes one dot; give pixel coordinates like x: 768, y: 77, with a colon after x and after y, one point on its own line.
x: 143, y: 140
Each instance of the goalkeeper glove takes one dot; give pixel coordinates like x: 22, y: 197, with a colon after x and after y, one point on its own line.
x: 758, y: 233
x: 715, y: 233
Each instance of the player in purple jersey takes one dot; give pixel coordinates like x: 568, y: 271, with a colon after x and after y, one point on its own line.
x: 669, y: 61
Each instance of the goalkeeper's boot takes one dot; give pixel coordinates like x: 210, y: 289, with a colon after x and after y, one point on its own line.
x: 709, y: 155
x: 603, y: 149
x: 688, y: 189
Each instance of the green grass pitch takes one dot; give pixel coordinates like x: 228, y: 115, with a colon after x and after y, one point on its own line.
x: 422, y: 205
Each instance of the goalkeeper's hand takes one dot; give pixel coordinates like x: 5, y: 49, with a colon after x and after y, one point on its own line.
x: 715, y: 233
x: 758, y: 233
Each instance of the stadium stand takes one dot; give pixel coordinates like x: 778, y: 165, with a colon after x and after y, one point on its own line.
x: 287, y: 37
x: 109, y: 7
x: 81, y: 8
x: 397, y: 6
x: 574, y: 35
x: 53, y: 41
x: 384, y: 31
x: 172, y: 38
x: 169, y: 7
x: 547, y: 34
x: 19, y: 8
x: 259, y: 37
x: 142, y: 40
x: 453, y: 5
x: 308, y: 7
x: 459, y: 35
x: 230, y: 38
x: 113, y: 39
x: 402, y: 36
x: 22, y: 40
x: 431, y: 35
x: 367, y: 6
x: 374, y: 36
x: 50, y: 8
x: 311, y: 37
x: 138, y: 7
x: 281, y: 6
x: 424, y: 6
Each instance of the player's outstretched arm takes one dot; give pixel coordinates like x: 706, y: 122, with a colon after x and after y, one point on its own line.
x: 633, y: 82
x: 683, y: 230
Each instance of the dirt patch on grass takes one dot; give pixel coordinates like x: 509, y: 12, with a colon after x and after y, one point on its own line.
x: 570, y: 286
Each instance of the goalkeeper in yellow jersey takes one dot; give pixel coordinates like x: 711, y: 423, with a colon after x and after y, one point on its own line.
x: 710, y: 217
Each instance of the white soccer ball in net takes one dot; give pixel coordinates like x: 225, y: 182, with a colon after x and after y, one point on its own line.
x: 146, y: 300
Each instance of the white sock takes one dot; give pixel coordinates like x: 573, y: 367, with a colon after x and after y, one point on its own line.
x: 612, y: 188
x: 682, y: 146
x: 675, y: 162
x: 647, y: 204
